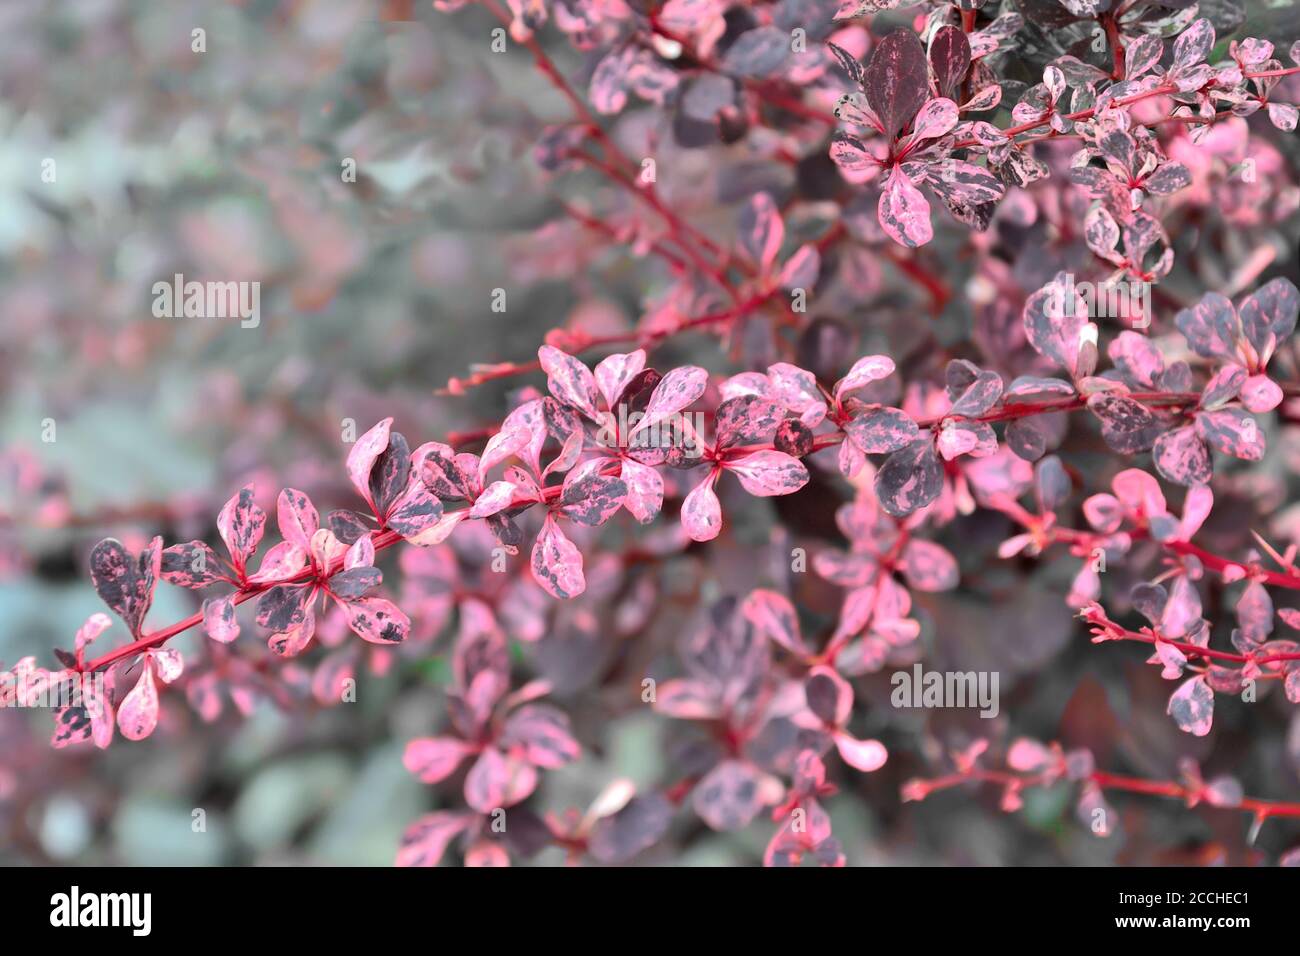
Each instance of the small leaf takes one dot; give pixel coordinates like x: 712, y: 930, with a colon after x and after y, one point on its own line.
x: 769, y: 473
x: 556, y: 562
x: 910, y: 478
x: 1192, y: 707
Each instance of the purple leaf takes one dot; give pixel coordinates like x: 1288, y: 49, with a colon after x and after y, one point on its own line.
x: 1211, y: 327
x: 731, y: 795
x: 1128, y: 426
x: 910, y: 478
x: 896, y: 80
x: 126, y: 582
x: 950, y: 59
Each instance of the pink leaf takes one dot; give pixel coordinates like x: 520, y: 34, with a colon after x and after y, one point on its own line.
x: 769, y: 473
x: 645, y: 490
x: 864, y: 755
x: 495, y: 497
x: 297, y: 517
x: 498, y: 780
x: 219, y: 621
x: 432, y: 759
x: 365, y: 452
x: 762, y: 230
x: 138, y: 714
x: 615, y: 372
x: 378, y: 620
x: 1192, y: 707
x: 675, y: 391
x: 426, y: 840
x: 774, y: 617
x: 241, y: 524
x: 903, y: 212
x: 557, y: 562
x: 569, y: 380
x: 702, y: 512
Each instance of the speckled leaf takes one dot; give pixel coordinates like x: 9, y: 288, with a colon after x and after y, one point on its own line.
x: 283, y: 607
x: 569, y: 380
x: 241, y: 524
x: 426, y: 840
x: 190, y: 565
x: 747, y: 420
x: 392, y: 471
x: 126, y: 582
x: 1232, y: 431
x: 949, y: 58
x: 591, y: 499
x: 1270, y: 309
x: 557, y: 562
x: 377, y: 620
x: 645, y: 490
x: 775, y: 618
x: 434, y: 759
x: 1192, y: 707
x: 896, y: 80
x: 219, y: 621
x: 497, y: 781
x: 1128, y: 426
x: 416, y: 511
x: 910, y: 478
x: 879, y: 430
x: 675, y: 392
x: 443, y: 471
x: 903, y: 212
x: 769, y: 473
x: 1182, y: 457
x: 1211, y: 327
x: 731, y: 795
x: 928, y: 566
x: 543, y: 734
x: 980, y: 396
x: 365, y: 452
x: 636, y: 827
x: 614, y: 372
x: 297, y: 517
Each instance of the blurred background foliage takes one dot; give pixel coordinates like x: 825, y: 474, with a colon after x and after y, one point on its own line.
x: 227, y: 165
